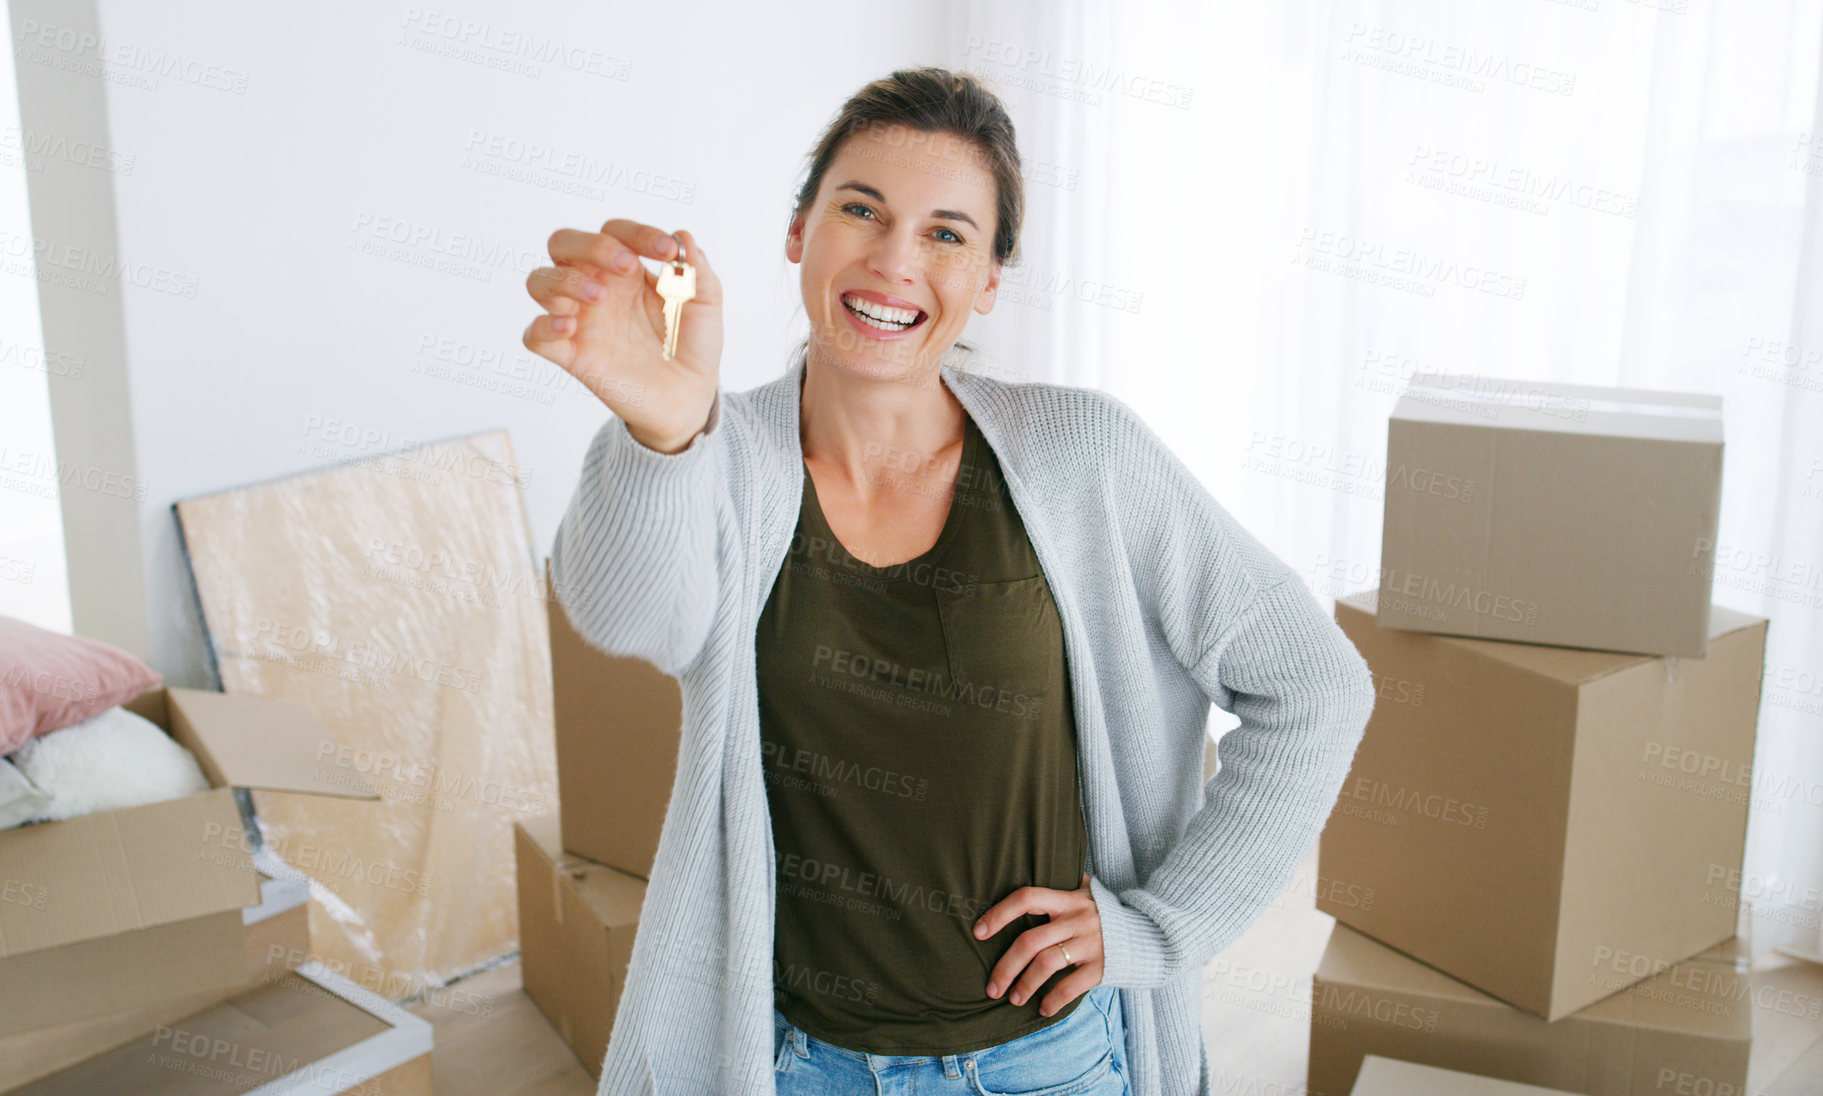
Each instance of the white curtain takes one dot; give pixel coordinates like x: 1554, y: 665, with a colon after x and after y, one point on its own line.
x: 1235, y: 213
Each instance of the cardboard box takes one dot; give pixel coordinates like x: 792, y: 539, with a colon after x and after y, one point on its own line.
x: 158, y: 889
x: 1393, y: 1077
x: 576, y: 925
x: 275, y: 938
x: 619, y: 722
x: 1552, y: 513
x: 1517, y: 816
x: 1688, y: 1029
x: 309, y: 1031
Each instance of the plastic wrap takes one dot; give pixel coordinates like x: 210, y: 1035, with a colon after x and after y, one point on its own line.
x: 396, y: 597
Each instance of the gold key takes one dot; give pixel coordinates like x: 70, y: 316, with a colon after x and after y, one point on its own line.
x: 677, y: 285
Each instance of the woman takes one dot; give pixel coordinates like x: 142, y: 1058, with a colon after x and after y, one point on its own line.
x: 947, y: 646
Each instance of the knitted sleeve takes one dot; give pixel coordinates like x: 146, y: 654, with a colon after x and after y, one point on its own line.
x: 634, y: 561
x: 1257, y: 643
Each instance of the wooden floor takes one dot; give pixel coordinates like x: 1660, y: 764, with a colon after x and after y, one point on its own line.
x: 500, y: 1044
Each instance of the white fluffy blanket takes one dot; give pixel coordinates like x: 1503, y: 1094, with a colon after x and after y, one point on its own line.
x: 116, y: 759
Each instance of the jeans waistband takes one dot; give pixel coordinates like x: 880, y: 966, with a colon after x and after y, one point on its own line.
x: 1102, y: 1003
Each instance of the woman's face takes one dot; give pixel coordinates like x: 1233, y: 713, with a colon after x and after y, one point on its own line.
x: 903, y: 222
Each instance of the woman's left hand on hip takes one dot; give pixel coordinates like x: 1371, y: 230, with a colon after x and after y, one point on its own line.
x: 1034, y: 955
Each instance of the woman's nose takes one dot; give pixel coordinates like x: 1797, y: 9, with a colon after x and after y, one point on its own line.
x: 895, y: 257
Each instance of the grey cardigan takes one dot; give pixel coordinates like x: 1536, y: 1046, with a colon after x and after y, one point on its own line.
x: 1167, y: 604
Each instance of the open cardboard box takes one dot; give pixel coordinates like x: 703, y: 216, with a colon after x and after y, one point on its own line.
x: 308, y: 1031
x: 128, y: 908
x: 275, y: 938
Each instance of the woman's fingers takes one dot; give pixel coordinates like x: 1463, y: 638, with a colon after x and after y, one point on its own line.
x: 649, y: 241
x: 602, y: 254
x: 1079, y: 981
x: 615, y: 250
x: 708, y: 286
x: 561, y: 290
x: 605, y: 322
x: 590, y: 266
x: 544, y: 338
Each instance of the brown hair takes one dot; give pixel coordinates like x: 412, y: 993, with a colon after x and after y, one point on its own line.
x: 933, y: 101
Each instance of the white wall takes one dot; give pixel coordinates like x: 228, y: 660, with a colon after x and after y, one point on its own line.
x: 258, y: 181
x: 33, y: 580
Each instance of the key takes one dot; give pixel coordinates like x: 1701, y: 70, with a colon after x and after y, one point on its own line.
x: 677, y: 285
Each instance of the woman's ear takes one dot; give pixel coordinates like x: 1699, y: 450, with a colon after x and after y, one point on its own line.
x: 794, y: 240
x: 984, y: 301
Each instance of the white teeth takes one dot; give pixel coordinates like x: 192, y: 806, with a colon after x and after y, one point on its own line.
x: 903, y: 317
x: 879, y: 325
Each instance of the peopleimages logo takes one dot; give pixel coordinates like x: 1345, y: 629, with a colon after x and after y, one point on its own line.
x: 836, y: 770
x: 1685, y: 1083
x: 1073, y: 70
x: 1420, y: 595
x: 1517, y: 186
x: 902, y: 894
x: 409, y: 780
x: 1432, y: 805
x: 825, y: 983
x: 1403, y: 268
x: 1427, y: 481
x: 1398, y: 690
x: 1448, y: 63
x: 20, y: 893
x: 1369, y: 1006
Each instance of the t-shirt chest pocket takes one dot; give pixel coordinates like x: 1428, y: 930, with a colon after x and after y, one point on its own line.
x: 1000, y: 640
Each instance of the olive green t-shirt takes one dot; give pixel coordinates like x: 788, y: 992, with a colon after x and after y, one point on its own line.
x: 920, y: 759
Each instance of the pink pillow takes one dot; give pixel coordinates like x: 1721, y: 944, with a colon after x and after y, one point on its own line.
x: 49, y: 681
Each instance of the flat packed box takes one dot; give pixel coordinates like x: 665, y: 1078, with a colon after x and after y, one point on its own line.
x: 1552, y: 513
x: 1688, y: 1029
x: 159, y: 889
x: 577, y: 920
x: 619, y: 721
x: 1521, y: 814
x: 1393, y: 1077
x: 275, y: 938
x: 310, y: 1031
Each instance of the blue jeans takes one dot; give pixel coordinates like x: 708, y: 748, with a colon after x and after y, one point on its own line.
x: 1084, y: 1054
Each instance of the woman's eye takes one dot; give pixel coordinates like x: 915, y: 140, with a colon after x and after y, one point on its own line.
x: 856, y: 205
x: 953, y: 237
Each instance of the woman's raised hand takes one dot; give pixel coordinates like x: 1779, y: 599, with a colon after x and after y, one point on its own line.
x: 605, y: 325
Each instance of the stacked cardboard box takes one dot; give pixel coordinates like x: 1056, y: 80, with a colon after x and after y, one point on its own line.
x: 122, y: 922
x: 1551, y: 797
x: 1552, y: 513
x: 1688, y: 1029
x: 577, y: 919
x: 619, y: 721
x: 582, y: 882
x: 1392, y: 1077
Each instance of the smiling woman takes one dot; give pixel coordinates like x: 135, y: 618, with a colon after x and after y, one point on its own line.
x: 910, y: 208
x: 925, y: 146
x: 947, y: 646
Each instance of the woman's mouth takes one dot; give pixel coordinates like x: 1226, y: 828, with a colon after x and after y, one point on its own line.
x: 881, y: 318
